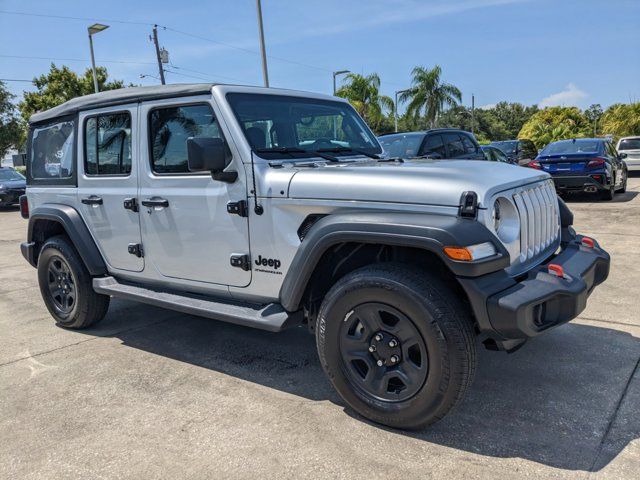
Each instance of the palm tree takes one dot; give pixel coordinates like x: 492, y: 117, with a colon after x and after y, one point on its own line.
x: 428, y: 95
x: 363, y: 92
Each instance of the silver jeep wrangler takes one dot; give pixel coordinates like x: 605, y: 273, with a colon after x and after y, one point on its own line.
x: 271, y: 208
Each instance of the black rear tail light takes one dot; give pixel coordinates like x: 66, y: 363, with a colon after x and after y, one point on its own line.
x: 24, y: 206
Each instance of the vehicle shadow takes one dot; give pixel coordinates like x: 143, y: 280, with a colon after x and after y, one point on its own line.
x: 581, y: 197
x: 551, y: 402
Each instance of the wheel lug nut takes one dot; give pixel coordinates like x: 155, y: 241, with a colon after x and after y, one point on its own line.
x: 393, y: 343
x: 380, y: 363
x: 379, y: 337
x: 394, y: 359
x: 372, y: 348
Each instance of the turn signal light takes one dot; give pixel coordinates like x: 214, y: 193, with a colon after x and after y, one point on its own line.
x: 458, y: 253
x: 534, y: 164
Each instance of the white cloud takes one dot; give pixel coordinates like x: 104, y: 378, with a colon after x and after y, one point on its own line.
x: 569, y: 97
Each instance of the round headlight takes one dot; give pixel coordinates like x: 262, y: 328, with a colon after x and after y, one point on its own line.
x: 506, y: 221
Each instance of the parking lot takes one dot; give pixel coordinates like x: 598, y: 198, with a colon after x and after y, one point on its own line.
x: 150, y: 393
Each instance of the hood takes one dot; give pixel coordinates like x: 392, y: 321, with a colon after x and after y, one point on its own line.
x: 14, y: 183
x: 425, y: 182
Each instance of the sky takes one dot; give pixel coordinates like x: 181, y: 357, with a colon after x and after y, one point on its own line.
x: 544, y: 52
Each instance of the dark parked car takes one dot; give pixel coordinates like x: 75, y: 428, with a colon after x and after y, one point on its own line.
x: 518, y: 151
x: 494, y: 154
x: 585, y: 164
x: 435, y: 143
x: 12, y: 185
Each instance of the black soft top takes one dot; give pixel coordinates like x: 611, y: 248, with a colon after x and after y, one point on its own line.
x: 120, y: 97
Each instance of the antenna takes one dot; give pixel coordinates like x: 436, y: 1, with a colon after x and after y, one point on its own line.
x: 257, y: 208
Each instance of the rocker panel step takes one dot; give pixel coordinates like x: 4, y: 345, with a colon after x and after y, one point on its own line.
x: 271, y: 317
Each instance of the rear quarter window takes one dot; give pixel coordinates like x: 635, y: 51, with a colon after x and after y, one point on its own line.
x: 52, y: 156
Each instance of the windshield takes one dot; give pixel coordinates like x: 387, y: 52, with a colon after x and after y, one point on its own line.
x: 401, y: 145
x: 571, y: 146
x: 9, y: 174
x: 507, y: 147
x: 629, y: 144
x: 279, y: 126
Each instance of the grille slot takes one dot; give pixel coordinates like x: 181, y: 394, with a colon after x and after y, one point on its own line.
x: 538, y: 209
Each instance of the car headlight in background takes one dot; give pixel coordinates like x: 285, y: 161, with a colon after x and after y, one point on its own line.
x: 505, y: 220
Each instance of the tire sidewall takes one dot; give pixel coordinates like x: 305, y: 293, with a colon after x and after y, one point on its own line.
x: 429, y: 400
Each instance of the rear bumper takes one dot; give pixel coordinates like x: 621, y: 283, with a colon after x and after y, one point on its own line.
x: 510, y: 311
x: 566, y: 183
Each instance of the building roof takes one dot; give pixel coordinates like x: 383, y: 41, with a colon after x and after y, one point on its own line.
x: 121, y: 96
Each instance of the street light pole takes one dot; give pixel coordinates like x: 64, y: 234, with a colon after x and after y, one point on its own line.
x: 263, y: 51
x: 335, y: 74
x: 95, y: 28
x: 473, y: 112
x: 395, y: 113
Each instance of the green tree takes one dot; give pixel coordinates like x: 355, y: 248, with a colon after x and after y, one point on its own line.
x: 594, y: 114
x: 429, y: 95
x: 10, y: 128
x: 621, y: 120
x: 363, y: 92
x: 555, y: 123
x: 511, y: 116
x: 62, y: 84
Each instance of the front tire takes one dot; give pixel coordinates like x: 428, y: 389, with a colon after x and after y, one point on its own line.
x: 66, y: 286
x: 397, y: 345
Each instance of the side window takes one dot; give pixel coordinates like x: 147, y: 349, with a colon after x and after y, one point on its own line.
x: 52, y: 151
x: 107, y: 144
x: 169, y: 129
x: 469, y: 145
x: 454, y: 145
x: 434, y: 145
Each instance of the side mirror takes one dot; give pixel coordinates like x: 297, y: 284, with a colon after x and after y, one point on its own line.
x: 623, y: 156
x: 205, y: 154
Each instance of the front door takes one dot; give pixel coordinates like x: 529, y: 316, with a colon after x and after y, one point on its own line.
x: 107, y: 180
x: 187, y: 232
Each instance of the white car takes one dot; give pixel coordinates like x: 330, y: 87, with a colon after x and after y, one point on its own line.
x: 630, y: 146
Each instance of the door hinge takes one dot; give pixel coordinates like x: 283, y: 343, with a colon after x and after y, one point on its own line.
x: 135, y: 249
x: 241, y: 261
x: 238, y: 208
x: 131, y: 203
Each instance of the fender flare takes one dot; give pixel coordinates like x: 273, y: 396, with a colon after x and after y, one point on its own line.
x: 429, y: 232
x: 75, y: 229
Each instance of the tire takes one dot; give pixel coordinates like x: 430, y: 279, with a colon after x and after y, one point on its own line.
x: 66, y: 286
x: 608, y: 193
x: 435, y: 336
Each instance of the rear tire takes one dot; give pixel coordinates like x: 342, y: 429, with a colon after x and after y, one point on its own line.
x: 66, y: 286
x: 435, y: 345
x: 609, y: 193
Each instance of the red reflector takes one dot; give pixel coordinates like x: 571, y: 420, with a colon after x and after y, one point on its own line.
x: 555, y: 269
x: 588, y: 242
x: 534, y: 164
x: 24, y: 206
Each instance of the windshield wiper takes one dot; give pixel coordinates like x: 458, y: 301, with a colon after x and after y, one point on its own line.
x: 292, y: 150
x: 348, y: 149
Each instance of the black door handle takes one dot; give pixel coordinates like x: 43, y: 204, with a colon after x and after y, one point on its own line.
x: 92, y: 200
x: 155, y: 202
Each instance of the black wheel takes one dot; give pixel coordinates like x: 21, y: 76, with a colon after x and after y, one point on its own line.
x: 65, y: 285
x: 396, y: 344
x: 610, y: 192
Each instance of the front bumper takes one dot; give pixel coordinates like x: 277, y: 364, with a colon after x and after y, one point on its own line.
x: 511, y: 311
x: 578, y: 183
x: 10, y: 196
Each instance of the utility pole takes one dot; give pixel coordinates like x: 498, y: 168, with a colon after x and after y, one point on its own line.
x: 263, y: 51
x: 335, y: 74
x: 395, y: 112
x: 155, y: 42
x: 473, y: 112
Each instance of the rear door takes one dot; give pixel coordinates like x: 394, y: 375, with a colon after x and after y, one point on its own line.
x: 107, y: 181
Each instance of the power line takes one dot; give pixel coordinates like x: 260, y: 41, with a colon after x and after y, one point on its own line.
x: 66, y: 17
x: 27, y: 57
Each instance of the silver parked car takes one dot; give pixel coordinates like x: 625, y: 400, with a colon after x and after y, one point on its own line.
x: 629, y: 147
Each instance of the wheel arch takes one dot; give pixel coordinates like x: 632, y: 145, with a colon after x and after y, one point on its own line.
x: 48, y: 220
x: 338, y: 244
